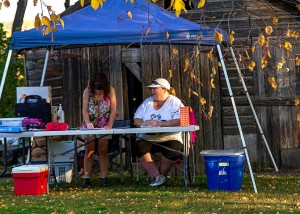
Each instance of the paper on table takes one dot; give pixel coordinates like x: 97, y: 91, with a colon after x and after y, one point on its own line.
x: 149, y: 126
x: 91, y: 128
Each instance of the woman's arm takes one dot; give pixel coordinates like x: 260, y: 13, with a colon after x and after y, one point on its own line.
x: 85, y: 108
x: 174, y: 122
x: 138, y: 122
x: 113, y: 107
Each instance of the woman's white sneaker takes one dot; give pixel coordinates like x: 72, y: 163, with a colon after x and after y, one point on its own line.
x: 159, y: 180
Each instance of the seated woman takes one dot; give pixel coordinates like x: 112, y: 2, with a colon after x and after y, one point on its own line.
x: 161, y: 109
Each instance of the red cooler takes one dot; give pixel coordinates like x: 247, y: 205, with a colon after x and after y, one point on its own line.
x: 30, y: 179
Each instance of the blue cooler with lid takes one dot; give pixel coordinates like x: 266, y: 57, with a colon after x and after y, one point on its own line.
x: 224, y: 169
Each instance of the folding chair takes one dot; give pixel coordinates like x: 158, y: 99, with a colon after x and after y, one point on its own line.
x: 119, y: 146
x: 178, y: 165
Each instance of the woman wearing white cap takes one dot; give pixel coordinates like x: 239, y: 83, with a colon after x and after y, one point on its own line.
x: 161, y: 109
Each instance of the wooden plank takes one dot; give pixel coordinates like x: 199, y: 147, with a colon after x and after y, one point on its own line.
x: 227, y: 111
x: 233, y: 130
x: 126, y: 100
x: 40, y: 54
x: 131, y: 55
x: 147, y: 76
x: 165, y: 63
x: 94, y: 58
x: 48, y: 82
x: 195, y: 104
x: 236, y: 81
x: 290, y: 158
x: 180, y: 77
x: 232, y: 71
x: 237, y: 91
x: 157, y: 70
x: 273, y: 101
x: 217, y: 114
x: 69, y: 55
x: 116, y: 79
x: 239, y: 100
x: 243, y: 120
x: 73, y: 90
x: 261, y: 101
x: 51, y: 72
x: 56, y: 91
x: 103, y: 59
x: 85, y: 66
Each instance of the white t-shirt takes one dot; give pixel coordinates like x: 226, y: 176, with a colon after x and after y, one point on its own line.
x: 169, y: 111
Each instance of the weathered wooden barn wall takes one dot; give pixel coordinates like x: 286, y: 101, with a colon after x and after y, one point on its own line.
x: 247, y: 19
x: 276, y: 109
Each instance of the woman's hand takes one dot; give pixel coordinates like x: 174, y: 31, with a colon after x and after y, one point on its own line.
x: 107, y: 127
x: 151, y: 123
x: 89, y: 125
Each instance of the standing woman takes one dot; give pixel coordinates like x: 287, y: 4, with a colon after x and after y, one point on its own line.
x: 99, y: 111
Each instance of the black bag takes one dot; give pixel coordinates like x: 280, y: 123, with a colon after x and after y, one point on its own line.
x: 34, y: 107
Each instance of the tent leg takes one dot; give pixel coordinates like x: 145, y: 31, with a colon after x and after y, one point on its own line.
x: 252, y: 108
x: 44, y: 69
x: 5, y: 72
x: 237, y: 117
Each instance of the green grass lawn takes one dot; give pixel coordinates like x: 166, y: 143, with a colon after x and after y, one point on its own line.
x: 277, y: 193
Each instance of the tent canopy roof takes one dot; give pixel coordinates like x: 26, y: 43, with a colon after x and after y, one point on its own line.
x: 111, y: 25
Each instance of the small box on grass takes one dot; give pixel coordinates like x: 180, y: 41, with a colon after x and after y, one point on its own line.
x: 30, y: 179
x: 224, y: 169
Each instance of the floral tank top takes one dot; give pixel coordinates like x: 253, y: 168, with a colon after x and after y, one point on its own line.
x: 99, y: 112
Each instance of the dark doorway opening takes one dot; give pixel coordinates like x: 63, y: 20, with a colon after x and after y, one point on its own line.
x: 135, y: 93
x: 135, y: 98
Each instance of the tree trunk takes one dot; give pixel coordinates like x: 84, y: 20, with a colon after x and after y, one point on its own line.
x: 18, y: 21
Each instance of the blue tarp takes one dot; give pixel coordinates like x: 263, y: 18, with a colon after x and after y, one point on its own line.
x: 111, y: 25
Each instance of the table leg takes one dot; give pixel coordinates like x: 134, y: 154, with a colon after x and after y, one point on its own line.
x: 186, y: 160
x: 74, y: 139
x: 5, y: 158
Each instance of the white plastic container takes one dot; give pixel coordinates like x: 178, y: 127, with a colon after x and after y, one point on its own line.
x: 15, y: 121
x: 60, y: 115
x: 63, y: 173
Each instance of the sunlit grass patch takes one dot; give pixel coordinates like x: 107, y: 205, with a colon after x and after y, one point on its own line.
x: 276, y: 194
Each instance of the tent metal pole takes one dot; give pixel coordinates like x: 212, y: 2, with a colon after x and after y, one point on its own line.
x: 45, y: 67
x: 236, y: 117
x: 252, y: 108
x: 5, y: 72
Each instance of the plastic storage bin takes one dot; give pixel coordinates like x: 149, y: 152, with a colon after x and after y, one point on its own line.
x: 63, y: 173
x: 224, y: 169
x: 30, y: 179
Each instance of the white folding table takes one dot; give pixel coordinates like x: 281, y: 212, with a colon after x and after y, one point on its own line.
x: 103, y: 132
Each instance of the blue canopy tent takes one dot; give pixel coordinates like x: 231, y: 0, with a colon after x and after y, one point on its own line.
x: 112, y: 25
